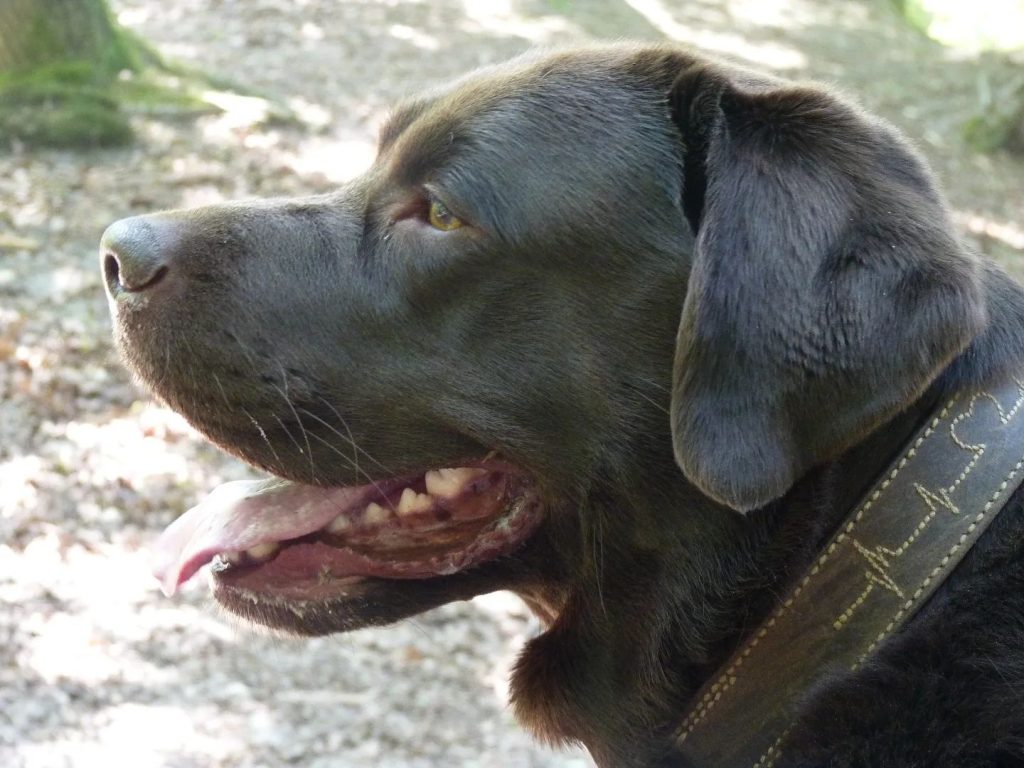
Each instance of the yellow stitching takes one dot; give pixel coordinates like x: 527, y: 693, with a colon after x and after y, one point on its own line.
x: 876, y: 558
x: 846, y: 615
x: 1020, y: 401
x: 728, y: 678
x: 1006, y: 416
x: 879, y: 571
x: 979, y: 449
x: 942, y: 564
x: 878, y: 574
x: 773, y: 753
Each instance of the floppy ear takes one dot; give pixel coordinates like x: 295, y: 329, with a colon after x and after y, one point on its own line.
x: 827, y: 289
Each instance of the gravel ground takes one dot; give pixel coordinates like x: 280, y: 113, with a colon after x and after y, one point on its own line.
x: 96, y: 668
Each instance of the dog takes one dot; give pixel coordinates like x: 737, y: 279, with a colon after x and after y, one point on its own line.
x: 625, y: 330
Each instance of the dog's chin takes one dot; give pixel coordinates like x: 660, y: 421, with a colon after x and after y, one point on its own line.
x: 359, y: 603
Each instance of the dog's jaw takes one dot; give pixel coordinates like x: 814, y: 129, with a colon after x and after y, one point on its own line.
x: 295, y: 545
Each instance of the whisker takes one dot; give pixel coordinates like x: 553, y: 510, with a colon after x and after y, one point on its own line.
x: 650, y: 383
x: 167, y: 363
x: 372, y: 482
x: 220, y: 386
x: 354, y: 458
x: 353, y: 461
x: 263, y: 434
x: 596, y: 533
x: 187, y: 359
x: 302, y: 429
x: 653, y: 402
x: 349, y: 438
x: 290, y: 435
x: 248, y: 354
x: 356, y: 450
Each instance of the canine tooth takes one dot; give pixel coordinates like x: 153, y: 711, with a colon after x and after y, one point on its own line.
x: 339, y: 524
x: 262, y: 551
x: 225, y: 560
x: 412, y: 502
x: 448, y: 483
x: 375, y: 513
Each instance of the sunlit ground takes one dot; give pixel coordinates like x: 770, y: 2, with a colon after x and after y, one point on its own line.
x: 102, y: 670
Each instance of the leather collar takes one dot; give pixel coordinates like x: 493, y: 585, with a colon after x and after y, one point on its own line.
x: 888, y: 556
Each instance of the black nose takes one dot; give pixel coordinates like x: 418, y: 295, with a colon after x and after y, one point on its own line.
x: 135, y: 254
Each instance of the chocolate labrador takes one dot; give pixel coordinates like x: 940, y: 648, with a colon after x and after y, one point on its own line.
x: 625, y: 330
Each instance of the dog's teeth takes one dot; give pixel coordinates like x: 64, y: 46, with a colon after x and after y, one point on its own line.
x: 375, y: 513
x: 225, y: 560
x: 263, y: 551
x: 412, y: 502
x: 339, y: 524
x: 448, y: 483
x: 437, y: 484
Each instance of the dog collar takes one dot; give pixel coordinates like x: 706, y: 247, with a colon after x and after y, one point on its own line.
x: 900, y: 542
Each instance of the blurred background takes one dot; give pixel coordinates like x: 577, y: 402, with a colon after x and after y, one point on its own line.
x: 109, y: 111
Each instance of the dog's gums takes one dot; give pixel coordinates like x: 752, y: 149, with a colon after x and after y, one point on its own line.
x: 285, y: 539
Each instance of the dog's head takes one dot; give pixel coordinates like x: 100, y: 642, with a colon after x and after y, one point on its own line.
x: 482, y: 364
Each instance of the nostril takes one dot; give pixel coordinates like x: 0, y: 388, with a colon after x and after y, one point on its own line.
x: 135, y: 254
x: 112, y: 273
x: 118, y: 280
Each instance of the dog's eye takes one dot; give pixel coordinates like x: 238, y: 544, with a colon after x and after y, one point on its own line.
x: 439, y: 217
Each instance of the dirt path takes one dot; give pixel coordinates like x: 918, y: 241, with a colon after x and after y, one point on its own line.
x: 96, y: 667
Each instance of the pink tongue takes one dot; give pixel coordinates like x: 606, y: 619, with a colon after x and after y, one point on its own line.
x: 239, y: 515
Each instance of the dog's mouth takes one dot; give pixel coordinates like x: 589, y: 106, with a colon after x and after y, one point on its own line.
x: 284, y: 540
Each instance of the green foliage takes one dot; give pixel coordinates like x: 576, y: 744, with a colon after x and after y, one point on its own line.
x: 999, y: 122
x: 74, y: 103
x: 56, y: 98
x: 61, y: 105
x: 995, y: 30
x: 81, y: 122
x: 69, y: 105
x: 45, y: 42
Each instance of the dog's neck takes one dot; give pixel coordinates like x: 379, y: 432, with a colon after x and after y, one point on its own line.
x: 671, y: 583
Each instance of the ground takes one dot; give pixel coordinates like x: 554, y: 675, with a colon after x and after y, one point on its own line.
x: 96, y: 667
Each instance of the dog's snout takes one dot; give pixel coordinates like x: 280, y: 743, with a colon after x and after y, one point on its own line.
x: 136, y: 254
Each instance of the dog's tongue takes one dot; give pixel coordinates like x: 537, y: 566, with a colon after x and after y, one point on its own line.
x: 239, y: 515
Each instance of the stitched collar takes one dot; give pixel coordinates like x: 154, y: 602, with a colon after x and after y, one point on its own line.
x: 899, y: 543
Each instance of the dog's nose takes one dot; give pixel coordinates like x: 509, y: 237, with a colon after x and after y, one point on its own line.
x: 135, y: 254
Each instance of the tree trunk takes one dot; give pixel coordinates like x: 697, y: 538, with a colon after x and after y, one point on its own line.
x: 37, y: 33
x: 67, y: 68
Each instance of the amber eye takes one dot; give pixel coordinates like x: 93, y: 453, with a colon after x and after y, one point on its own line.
x: 439, y: 217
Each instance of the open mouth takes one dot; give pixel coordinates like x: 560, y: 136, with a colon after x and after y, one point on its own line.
x: 279, y: 539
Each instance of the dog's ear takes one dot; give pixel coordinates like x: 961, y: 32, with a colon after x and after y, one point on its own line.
x: 827, y: 288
